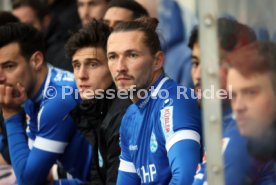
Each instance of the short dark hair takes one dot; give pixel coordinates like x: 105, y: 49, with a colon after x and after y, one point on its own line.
x: 94, y: 35
x: 29, y: 39
x: 137, y: 9
x: 7, y: 17
x: 230, y: 34
x: 146, y: 25
x: 40, y: 7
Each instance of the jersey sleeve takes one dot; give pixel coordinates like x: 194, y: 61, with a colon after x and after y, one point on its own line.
x: 55, y: 129
x: 30, y: 167
x: 180, y: 119
x: 181, y: 126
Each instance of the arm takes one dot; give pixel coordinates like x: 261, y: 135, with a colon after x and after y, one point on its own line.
x: 183, y: 158
x: 127, y: 178
x: 31, y: 167
x: 127, y: 174
x: 181, y: 127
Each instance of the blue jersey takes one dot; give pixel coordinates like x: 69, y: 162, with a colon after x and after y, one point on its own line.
x: 160, y: 138
x: 52, y: 134
x: 239, y: 167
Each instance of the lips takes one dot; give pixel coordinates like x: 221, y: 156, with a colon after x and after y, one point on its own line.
x: 84, y: 87
x: 241, y: 121
x: 122, y: 78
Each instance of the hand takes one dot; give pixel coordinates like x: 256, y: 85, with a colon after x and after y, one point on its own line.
x: 11, y: 101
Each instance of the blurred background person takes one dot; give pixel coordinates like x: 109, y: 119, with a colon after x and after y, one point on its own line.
x: 123, y: 10
x: 252, y: 78
x: 89, y: 9
x: 55, y: 30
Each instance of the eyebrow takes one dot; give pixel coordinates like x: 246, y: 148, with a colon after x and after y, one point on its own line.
x: 7, y: 62
x: 87, y: 60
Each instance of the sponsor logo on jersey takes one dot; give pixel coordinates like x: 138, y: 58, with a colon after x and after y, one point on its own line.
x: 147, y: 173
x: 153, y: 143
x: 133, y: 147
x: 167, y: 121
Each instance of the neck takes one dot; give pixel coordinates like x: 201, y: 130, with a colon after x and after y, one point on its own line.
x: 155, y: 77
x: 40, y: 77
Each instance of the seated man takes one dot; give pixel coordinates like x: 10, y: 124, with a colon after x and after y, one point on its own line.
x: 237, y: 161
x: 99, y: 115
x: 160, y: 132
x: 252, y: 77
x: 26, y: 79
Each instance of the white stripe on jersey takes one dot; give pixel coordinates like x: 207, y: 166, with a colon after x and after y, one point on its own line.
x: 156, y: 90
x: 199, y: 176
x: 39, y: 117
x: 30, y: 143
x: 182, y: 135
x: 49, y: 145
x: 127, y: 166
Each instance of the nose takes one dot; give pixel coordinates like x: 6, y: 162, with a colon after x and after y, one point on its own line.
x: 238, y: 104
x: 2, y: 77
x: 198, y: 73
x: 82, y: 73
x: 121, y: 65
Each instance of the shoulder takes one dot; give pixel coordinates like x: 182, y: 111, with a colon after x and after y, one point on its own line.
x: 60, y: 95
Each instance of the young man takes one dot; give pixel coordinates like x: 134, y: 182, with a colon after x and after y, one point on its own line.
x: 26, y: 79
x: 123, y: 10
x: 252, y: 77
x: 99, y: 116
x: 237, y: 162
x: 91, y: 9
x: 160, y: 136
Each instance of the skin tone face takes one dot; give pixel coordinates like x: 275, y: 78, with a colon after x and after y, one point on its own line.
x: 115, y: 15
x: 19, y: 79
x: 91, y: 71
x: 131, y: 63
x: 196, y: 69
x: 253, y: 102
x: 89, y: 9
x: 15, y: 69
x: 27, y: 15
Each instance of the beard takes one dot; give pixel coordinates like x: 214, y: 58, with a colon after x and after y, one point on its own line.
x: 263, y: 147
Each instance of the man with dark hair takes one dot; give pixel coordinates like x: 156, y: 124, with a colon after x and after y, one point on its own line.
x: 160, y: 132
x: 26, y: 79
x: 239, y: 168
x: 99, y: 115
x: 123, y: 10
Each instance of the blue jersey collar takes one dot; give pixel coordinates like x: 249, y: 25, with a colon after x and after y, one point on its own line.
x: 141, y: 103
x: 39, y: 95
